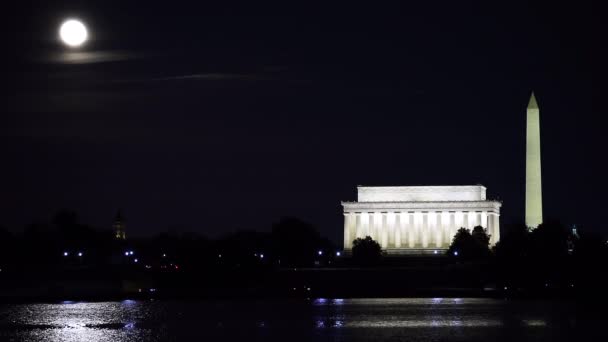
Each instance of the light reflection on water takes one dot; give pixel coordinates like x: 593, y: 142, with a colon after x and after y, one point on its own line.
x: 73, y: 321
x: 318, y: 319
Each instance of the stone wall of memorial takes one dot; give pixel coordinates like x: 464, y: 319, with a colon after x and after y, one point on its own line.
x: 421, y: 193
x: 416, y: 229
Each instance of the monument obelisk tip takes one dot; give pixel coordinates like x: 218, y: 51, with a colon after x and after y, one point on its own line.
x: 532, y: 102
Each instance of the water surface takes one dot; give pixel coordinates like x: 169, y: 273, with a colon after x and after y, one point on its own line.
x: 321, y: 319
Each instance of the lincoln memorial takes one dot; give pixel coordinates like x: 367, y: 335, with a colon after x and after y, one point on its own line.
x: 418, y: 219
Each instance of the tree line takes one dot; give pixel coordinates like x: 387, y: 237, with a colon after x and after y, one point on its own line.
x: 66, y: 242
x: 550, y: 255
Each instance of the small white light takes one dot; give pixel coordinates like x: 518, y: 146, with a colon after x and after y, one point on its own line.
x: 79, y: 253
x: 136, y: 260
x: 164, y: 255
x: 434, y: 252
x: 338, y: 253
x: 66, y: 253
x: 261, y: 256
x: 320, y: 252
x: 456, y: 253
x: 126, y: 253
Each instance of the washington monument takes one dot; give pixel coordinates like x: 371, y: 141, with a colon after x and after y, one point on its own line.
x: 534, y: 197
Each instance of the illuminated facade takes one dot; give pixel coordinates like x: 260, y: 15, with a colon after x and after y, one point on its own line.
x: 418, y: 219
x: 534, y: 198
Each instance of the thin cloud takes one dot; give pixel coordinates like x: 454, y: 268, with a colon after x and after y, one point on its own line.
x: 84, y: 57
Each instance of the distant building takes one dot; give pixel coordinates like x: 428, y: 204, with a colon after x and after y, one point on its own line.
x: 119, y: 226
x: 574, y: 231
x: 418, y: 219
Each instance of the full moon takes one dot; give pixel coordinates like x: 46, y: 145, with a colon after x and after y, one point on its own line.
x: 73, y: 33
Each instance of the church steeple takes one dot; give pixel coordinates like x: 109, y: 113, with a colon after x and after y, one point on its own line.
x: 119, y: 226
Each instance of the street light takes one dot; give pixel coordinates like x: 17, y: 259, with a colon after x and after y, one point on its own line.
x: 79, y: 254
x: 338, y: 253
x: 66, y: 253
x: 320, y: 252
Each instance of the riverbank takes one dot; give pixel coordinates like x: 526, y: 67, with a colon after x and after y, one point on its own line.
x: 440, y: 280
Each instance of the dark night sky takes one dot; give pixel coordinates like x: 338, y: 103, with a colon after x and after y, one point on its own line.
x: 210, y: 119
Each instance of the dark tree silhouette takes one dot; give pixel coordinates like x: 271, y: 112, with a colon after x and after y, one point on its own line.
x: 481, y: 237
x: 513, y: 244
x: 543, y: 257
x: 461, y: 243
x: 589, y: 247
x: 589, y: 250
x: 548, y: 254
x: 549, y: 241
x: 366, y: 251
x: 296, y: 243
x: 244, y: 248
x: 512, y: 256
x: 467, y: 245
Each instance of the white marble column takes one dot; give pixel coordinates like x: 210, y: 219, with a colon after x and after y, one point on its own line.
x: 448, y: 221
x: 451, y: 227
x: 491, y: 227
x: 371, y: 226
x: 403, y: 222
x: 484, y: 220
x: 425, y: 230
x: 495, y: 228
x: 459, y: 222
x: 365, y: 220
x: 438, y: 230
x: 390, y: 223
x: 378, y: 228
x: 431, y: 224
x: 348, y: 218
x: 478, y: 218
x: 397, y: 226
x: 411, y: 230
x: 358, y: 225
x: 383, y: 230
